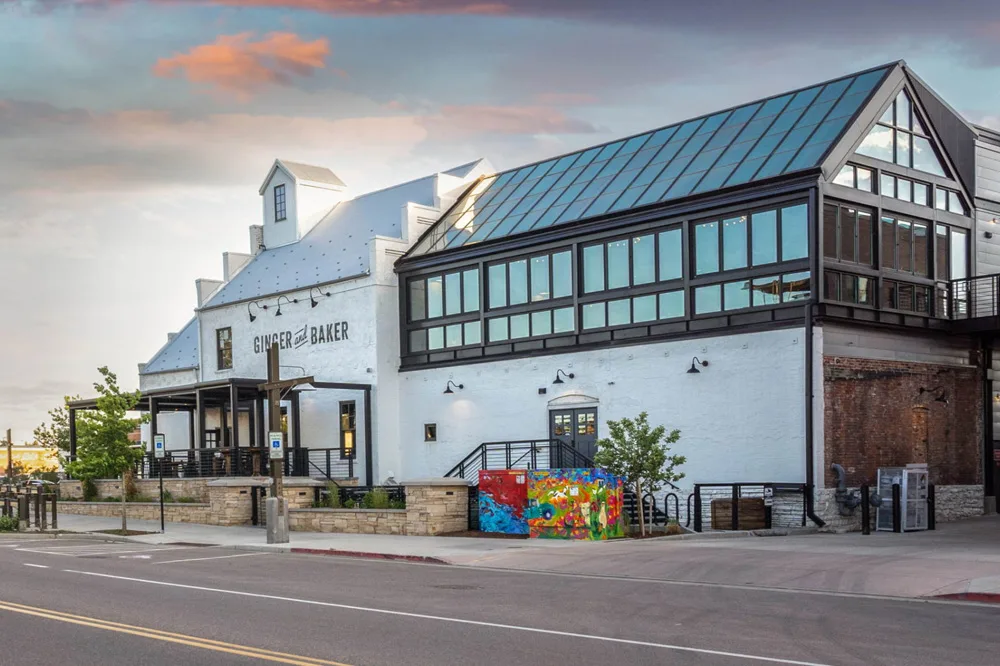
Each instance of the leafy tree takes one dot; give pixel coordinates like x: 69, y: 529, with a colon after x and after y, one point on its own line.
x: 56, y: 433
x: 641, y: 456
x: 103, y: 449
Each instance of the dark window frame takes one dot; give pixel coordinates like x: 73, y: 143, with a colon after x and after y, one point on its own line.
x: 464, y: 314
x: 750, y: 266
x: 838, y: 259
x: 224, y: 348
x: 658, y: 282
x: 928, y: 260
x: 280, y: 203
x: 529, y: 304
x: 351, y: 413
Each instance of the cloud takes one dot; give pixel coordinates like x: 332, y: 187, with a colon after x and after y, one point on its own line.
x: 471, y: 120
x: 239, y: 65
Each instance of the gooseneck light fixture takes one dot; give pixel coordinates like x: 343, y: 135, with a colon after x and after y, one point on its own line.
x: 312, y: 299
x: 253, y: 317
x: 695, y: 362
x: 448, y: 390
x: 287, y: 300
x: 564, y: 374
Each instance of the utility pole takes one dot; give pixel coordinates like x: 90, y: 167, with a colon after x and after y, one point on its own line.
x: 274, y: 417
x: 277, y: 508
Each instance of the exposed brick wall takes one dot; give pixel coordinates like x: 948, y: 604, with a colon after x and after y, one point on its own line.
x: 876, y: 417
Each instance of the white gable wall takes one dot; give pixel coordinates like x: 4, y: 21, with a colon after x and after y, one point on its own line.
x: 283, y: 232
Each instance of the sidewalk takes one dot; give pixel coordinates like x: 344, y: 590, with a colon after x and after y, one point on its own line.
x: 445, y: 550
x: 959, y: 560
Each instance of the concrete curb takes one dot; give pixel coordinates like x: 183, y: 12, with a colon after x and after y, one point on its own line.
x: 372, y: 556
x: 979, y: 597
x: 700, y: 536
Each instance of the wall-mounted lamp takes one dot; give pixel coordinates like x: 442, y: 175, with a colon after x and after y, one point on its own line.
x: 312, y: 301
x: 450, y: 384
x: 564, y: 374
x: 942, y: 394
x: 695, y: 362
x: 287, y: 300
x: 253, y: 317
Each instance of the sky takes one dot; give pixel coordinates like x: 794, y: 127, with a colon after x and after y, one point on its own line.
x: 134, y: 134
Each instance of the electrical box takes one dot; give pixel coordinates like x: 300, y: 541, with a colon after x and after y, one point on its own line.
x: 913, y: 481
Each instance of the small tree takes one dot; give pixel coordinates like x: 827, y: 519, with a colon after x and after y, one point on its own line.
x: 56, y: 433
x: 640, y: 455
x: 103, y: 449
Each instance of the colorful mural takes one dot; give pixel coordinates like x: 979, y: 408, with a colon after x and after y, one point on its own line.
x: 574, y: 504
x: 503, y: 499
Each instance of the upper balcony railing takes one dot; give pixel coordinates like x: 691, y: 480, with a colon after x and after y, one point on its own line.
x: 974, y: 303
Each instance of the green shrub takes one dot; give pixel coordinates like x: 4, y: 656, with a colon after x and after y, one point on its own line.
x: 8, y: 524
x: 188, y: 500
x: 397, y: 504
x: 168, y: 496
x: 89, y: 490
x: 376, y: 498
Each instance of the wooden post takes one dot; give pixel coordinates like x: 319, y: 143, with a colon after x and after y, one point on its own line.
x: 10, y: 461
x: 274, y: 416
x: 124, y: 519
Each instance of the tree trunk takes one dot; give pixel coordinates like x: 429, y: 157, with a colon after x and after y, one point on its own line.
x: 124, y: 519
x: 640, y: 508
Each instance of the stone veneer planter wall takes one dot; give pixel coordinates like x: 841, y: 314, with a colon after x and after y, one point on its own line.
x: 172, y: 513
x: 433, y: 506
x: 952, y: 503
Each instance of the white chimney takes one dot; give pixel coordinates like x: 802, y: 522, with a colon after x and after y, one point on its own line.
x: 206, y: 288
x: 256, y: 239
x: 232, y: 263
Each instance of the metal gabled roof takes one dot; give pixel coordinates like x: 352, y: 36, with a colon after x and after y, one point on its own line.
x: 779, y: 135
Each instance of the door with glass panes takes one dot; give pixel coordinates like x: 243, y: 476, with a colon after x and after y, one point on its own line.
x: 577, y: 428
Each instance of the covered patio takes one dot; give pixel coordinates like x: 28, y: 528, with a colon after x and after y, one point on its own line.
x: 221, y: 451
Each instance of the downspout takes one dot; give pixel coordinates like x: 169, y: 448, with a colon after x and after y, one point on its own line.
x: 813, y: 299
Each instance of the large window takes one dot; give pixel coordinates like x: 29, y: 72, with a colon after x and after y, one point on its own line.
x: 949, y: 200
x: 633, y: 261
x: 951, y: 253
x: 224, y: 348
x: 445, y: 295
x: 531, y: 324
x: 857, y: 177
x: 279, y: 203
x: 904, y: 189
x: 634, y: 310
x: 752, y: 293
x: 900, y: 138
x: 847, y: 234
x: 906, y: 246
x: 530, y: 280
x: 754, y: 239
x: 907, y: 297
x: 848, y: 288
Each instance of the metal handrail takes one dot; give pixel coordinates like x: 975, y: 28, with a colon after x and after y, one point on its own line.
x: 529, y: 453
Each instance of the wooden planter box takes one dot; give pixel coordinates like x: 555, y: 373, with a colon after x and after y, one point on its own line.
x: 751, y: 514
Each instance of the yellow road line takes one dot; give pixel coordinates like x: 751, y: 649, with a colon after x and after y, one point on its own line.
x: 156, y: 634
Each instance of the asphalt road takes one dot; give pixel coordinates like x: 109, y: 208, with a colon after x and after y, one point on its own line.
x: 83, y: 601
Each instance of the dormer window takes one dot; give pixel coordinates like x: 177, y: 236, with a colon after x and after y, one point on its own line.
x: 279, y: 203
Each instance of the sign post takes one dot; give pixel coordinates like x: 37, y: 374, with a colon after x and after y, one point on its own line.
x: 10, y: 462
x: 159, y: 453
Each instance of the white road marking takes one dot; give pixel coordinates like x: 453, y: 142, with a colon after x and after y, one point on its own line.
x: 36, y: 566
x: 217, y: 557
x: 440, y: 618
x: 93, y: 553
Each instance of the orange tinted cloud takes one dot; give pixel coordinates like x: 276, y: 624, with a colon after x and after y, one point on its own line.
x: 239, y: 65
x: 380, y: 7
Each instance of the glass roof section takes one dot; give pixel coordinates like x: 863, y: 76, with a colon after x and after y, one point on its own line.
x: 771, y: 137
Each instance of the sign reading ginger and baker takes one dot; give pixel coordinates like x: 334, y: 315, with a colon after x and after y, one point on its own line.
x: 307, y: 335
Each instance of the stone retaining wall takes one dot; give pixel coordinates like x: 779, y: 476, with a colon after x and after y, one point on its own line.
x: 436, y: 506
x: 348, y: 521
x: 172, y: 513
x: 194, y: 488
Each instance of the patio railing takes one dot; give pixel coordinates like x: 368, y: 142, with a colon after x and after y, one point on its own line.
x: 245, y: 461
